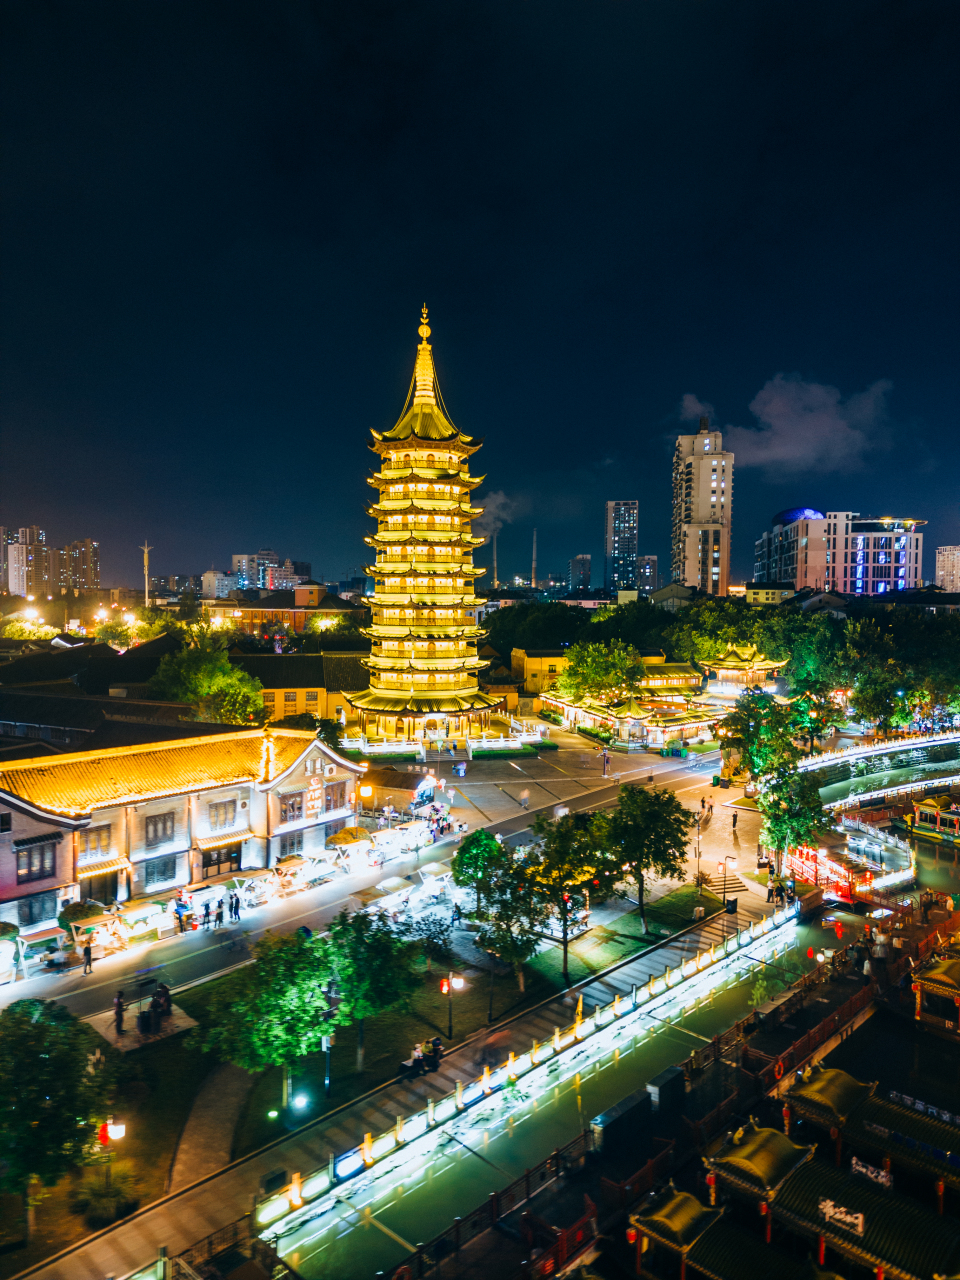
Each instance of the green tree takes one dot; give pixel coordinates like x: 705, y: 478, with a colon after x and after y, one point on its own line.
x: 54, y: 1093
x: 513, y: 918
x: 647, y: 833
x: 565, y: 867
x: 26, y: 629
x: 203, y: 676
x: 435, y: 936
x: 274, y: 1011
x: 536, y: 626
x: 374, y: 970
x: 478, y: 853
x: 792, y: 810
x: 607, y: 672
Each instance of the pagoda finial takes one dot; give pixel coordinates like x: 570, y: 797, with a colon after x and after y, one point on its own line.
x: 424, y: 373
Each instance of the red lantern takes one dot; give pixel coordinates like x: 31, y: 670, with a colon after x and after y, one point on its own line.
x: 103, y: 1135
x: 444, y: 986
x: 631, y: 1235
x: 809, y: 953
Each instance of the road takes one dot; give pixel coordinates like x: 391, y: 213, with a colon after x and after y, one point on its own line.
x: 196, y: 956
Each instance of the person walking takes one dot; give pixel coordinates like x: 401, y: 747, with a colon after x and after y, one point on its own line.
x: 703, y: 802
x: 87, y: 958
x: 218, y: 917
x: 206, y: 914
x: 180, y: 911
x: 734, y: 819
x: 118, y: 1011
x: 236, y: 907
x: 457, y: 915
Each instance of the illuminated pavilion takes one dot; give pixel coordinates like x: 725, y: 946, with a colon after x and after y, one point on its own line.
x: 424, y: 663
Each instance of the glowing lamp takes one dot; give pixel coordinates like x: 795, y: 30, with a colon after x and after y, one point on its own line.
x: 116, y: 1131
x: 444, y: 986
x: 272, y: 1115
x: 366, y: 791
x: 458, y: 984
x: 300, y: 1101
x: 820, y: 957
x: 30, y: 613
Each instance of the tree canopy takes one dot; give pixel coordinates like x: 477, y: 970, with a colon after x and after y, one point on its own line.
x: 54, y: 1092
x: 203, y: 676
x: 607, y: 672
x: 647, y: 833
x: 477, y: 855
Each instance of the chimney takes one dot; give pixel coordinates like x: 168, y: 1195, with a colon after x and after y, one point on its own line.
x: 533, y: 571
x: 704, y: 424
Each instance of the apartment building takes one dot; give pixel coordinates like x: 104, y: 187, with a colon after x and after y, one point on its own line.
x: 578, y: 573
x: 620, y: 545
x: 840, y: 551
x: 948, y: 568
x: 34, y: 568
x: 647, y: 577
x: 702, y: 511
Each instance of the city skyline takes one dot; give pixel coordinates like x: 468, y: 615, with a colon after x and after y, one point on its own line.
x: 253, y: 296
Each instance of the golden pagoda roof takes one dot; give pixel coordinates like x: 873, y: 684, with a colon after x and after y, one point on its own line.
x: 424, y: 415
x: 743, y: 657
x: 73, y: 785
x: 417, y: 704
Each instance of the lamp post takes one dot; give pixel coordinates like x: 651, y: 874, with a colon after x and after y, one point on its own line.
x: 107, y: 1133
x: 699, y: 885
x: 725, y: 861
x: 364, y: 793
x: 448, y: 985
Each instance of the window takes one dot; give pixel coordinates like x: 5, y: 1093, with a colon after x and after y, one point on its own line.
x: 335, y: 796
x: 37, y: 908
x: 93, y: 844
x: 290, y: 697
x: 311, y: 696
x: 39, y: 862
x: 6, y: 821
x: 159, y: 829
x: 159, y: 870
x: 269, y: 696
x: 222, y: 815
x: 293, y: 843
x: 291, y: 807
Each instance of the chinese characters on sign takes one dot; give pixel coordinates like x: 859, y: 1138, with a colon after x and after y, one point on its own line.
x: 846, y: 1218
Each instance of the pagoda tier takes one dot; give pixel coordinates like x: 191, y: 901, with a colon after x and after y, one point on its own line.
x: 423, y: 665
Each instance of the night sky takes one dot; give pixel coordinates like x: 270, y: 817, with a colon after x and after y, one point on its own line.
x: 220, y: 220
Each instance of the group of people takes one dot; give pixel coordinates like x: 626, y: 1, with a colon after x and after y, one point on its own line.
x: 426, y: 1056
x: 233, y: 907
x: 779, y: 893
x: 161, y: 1004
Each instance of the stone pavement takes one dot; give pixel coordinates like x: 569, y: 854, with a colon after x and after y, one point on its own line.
x: 206, y: 1143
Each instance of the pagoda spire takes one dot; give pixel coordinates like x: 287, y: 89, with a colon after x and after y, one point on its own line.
x: 424, y: 374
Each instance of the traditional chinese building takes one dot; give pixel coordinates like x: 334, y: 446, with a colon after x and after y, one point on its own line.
x: 744, y: 664
x: 424, y: 663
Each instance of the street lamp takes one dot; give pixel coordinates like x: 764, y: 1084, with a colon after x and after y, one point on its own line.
x: 722, y: 867
x: 109, y: 1132
x: 365, y: 793
x: 448, y: 985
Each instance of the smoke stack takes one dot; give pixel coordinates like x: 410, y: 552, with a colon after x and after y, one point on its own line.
x: 533, y: 571
x: 496, y: 581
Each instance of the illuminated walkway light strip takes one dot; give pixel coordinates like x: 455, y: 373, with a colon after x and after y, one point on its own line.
x: 905, y: 788
x: 812, y: 763
x: 665, y: 997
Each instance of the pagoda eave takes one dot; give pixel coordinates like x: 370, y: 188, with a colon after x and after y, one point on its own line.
x: 405, y: 704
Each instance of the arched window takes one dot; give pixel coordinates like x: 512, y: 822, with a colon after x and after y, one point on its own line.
x: 406, y: 460
x: 431, y: 460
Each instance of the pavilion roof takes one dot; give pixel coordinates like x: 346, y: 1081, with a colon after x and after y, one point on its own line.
x: 759, y: 1160
x: 829, y: 1096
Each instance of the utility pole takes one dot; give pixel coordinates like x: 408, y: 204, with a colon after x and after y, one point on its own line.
x: 146, y: 573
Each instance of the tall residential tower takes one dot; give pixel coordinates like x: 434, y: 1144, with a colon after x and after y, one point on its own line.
x: 702, y: 502
x: 620, y: 545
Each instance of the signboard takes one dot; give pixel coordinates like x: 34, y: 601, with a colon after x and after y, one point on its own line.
x: 314, y: 803
x: 836, y: 1214
x: 882, y: 1177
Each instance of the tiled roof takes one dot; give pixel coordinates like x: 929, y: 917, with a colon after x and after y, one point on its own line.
x: 333, y: 671
x: 27, y: 706
x: 73, y: 785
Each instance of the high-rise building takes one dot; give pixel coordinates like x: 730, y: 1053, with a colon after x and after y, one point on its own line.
x: 702, y: 511
x: 217, y: 585
x: 948, y: 568
x: 620, y: 545
x: 251, y: 568
x: 578, y: 572
x: 840, y: 551
x: 424, y: 663
x: 647, y: 577
x: 83, y: 564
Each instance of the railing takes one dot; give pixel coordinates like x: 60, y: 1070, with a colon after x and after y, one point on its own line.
x: 877, y: 749
x: 447, y: 1245
x: 710, y: 1125
x: 620, y: 1195
x: 568, y: 1244
x: 192, y: 1263
x: 857, y: 824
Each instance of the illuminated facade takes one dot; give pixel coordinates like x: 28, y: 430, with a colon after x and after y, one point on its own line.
x: 424, y: 664
x: 702, y: 511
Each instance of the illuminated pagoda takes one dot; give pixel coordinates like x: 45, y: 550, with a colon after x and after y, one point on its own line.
x: 424, y: 663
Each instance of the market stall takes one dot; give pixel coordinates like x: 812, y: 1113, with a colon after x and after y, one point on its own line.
x: 43, y: 949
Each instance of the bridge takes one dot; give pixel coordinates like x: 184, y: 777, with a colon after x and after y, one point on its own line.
x: 811, y: 764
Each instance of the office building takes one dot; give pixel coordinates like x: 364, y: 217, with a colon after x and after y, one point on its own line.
x: 217, y: 585
x: 620, y: 545
x: 702, y: 511
x: 840, y: 551
x: 647, y: 577
x: 948, y: 568
x: 578, y: 573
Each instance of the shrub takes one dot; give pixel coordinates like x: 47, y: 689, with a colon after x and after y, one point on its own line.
x: 601, y: 735
x: 73, y: 912
x: 102, y: 1204
x: 8, y: 930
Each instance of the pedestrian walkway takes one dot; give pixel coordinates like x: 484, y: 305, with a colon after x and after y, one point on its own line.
x: 206, y: 1143
x: 207, y: 1205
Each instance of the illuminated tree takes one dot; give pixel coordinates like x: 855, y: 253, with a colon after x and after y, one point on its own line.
x: 476, y: 856
x: 276, y: 1010
x: 203, y: 676
x: 513, y: 917
x: 565, y: 867
x: 607, y: 672
x: 646, y: 832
